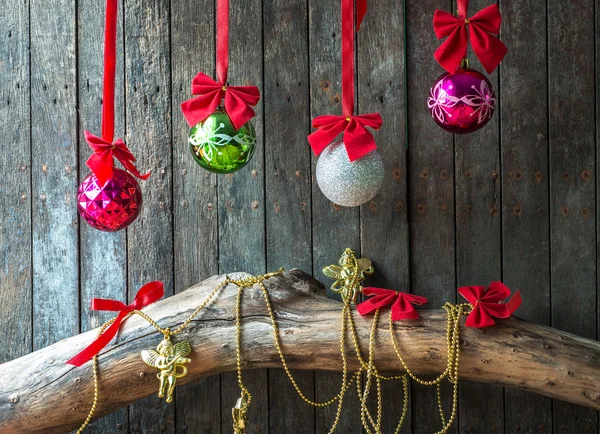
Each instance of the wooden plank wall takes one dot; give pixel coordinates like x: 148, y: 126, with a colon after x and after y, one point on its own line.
x: 516, y: 201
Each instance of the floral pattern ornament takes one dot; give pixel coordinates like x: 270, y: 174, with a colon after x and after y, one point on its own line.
x: 462, y: 102
x: 218, y: 147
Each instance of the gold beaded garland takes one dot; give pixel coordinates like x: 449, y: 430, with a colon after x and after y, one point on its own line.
x: 354, y: 275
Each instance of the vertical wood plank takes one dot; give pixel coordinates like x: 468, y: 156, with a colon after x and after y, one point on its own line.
x: 287, y: 178
x: 15, y: 189
x: 431, y: 186
x: 478, y: 241
x: 148, y: 117
x: 103, y: 255
x: 525, y: 219
x: 195, y: 197
x: 384, y: 220
x: 571, y: 76
x: 54, y: 171
x: 242, y: 204
x: 334, y: 228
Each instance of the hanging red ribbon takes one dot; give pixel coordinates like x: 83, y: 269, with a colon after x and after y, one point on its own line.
x: 101, y: 162
x: 147, y: 294
x: 401, y: 302
x: 238, y: 100
x: 357, y: 139
x: 488, y: 303
x: 482, y: 27
x: 210, y: 93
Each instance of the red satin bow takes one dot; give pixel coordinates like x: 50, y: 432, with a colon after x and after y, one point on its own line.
x: 238, y: 101
x: 488, y: 303
x: 401, y: 302
x: 482, y: 27
x: 147, y: 294
x: 357, y: 139
x: 101, y: 162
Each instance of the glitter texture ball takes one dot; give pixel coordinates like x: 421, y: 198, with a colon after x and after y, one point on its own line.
x: 348, y: 183
x: 462, y: 102
x: 217, y: 146
x: 111, y: 207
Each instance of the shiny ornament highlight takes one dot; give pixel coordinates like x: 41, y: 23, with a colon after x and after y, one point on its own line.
x: 462, y: 102
x: 110, y: 207
x: 348, y: 183
x: 218, y: 147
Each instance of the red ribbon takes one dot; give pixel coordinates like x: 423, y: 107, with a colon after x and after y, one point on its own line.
x: 401, y: 302
x: 482, y: 27
x: 488, y: 303
x: 238, y: 100
x: 101, y: 162
x: 357, y: 139
x: 147, y: 294
x: 110, y: 60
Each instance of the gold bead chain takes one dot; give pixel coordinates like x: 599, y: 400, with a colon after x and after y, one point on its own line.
x: 166, y: 333
x: 366, y: 367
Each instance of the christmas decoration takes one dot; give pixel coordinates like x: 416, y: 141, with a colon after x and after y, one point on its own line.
x: 349, y: 274
x: 401, y: 303
x: 112, y: 205
x: 109, y: 199
x: 348, y: 183
x: 352, y: 174
x: 218, y: 146
x: 488, y: 303
x: 221, y: 138
x: 171, y: 359
x: 463, y: 100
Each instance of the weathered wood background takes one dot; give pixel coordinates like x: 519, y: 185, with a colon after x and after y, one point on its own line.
x: 516, y: 201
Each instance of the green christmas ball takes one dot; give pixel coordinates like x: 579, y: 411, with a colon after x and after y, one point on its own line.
x: 218, y: 147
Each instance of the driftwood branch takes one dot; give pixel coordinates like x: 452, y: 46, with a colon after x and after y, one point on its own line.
x: 39, y: 393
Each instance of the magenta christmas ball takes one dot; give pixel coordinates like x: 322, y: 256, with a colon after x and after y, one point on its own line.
x: 462, y: 102
x: 110, y: 207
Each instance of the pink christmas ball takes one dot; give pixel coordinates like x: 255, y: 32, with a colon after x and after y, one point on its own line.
x: 462, y: 102
x: 111, y: 207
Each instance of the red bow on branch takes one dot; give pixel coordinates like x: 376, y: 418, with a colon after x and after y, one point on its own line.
x: 147, y: 294
x: 357, y: 139
x: 482, y: 27
x: 401, y: 302
x: 488, y: 303
x: 101, y: 162
x: 238, y: 101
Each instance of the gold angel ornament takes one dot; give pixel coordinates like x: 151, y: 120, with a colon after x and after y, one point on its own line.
x: 169, y: 359
x: 349, y: 274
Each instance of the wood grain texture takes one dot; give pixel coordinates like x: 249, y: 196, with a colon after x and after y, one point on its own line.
x: 287, y: 179
x: 479, y: 240
x: 334, y: 227
x: 431, y: 186
x: 303, y: 312
x: 103, y: 255
x: 15, y: 188
x: 194, y: 197
x: 525, y: 178
x: 571, y: 74
x: 54, y: 172
x: 381, y: 88
x: 148, y: 117
x: 271, y: 213
x: 242, y: 203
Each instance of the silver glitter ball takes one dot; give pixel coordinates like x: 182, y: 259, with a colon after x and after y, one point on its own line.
x: 348, y: 183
